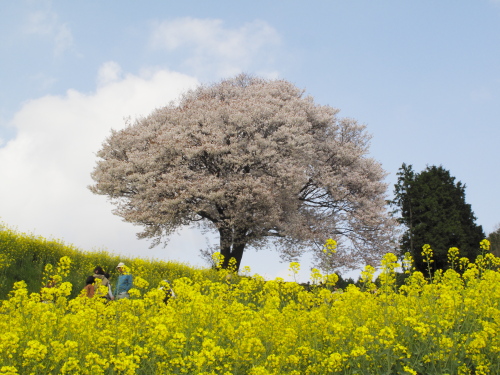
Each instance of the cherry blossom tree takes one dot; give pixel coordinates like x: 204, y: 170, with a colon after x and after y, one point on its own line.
x: 255, y: 160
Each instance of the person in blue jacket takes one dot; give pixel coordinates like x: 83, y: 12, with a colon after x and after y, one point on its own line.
x: 124, y: 282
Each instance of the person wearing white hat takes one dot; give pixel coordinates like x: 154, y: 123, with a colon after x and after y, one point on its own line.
x: 124, y: 282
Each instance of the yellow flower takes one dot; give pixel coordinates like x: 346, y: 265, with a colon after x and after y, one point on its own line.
x: 248, y: 325
x: 407, y: 262
x: 453, y: 254
x: 246, y: 270
x: 134, y: 292
x: 294, y: 269
x: 218, y: 259
x: 71, y: 365
x: 334, y: 362
x: 485, y: 244
x: 316, y: 276
x: 427, y: 253
x: 8, y: 370
x: 409, y: 370
x: 330, y: 247
x: 331, y: 279
x: 139, y: 282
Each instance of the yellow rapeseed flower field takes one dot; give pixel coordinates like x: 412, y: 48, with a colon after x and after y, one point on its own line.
x: 222, y: 323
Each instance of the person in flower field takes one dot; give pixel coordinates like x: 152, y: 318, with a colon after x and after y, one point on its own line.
x: 100, y: 274
x: 124, y: 282
x: 89, y: 287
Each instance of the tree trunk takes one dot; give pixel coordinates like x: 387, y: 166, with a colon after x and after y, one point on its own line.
x: 232, y: 245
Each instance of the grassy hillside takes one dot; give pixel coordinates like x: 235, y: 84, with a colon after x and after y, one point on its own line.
x: 24, y: 256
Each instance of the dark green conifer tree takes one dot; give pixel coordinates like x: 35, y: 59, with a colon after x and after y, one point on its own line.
x: 433, y: 210
x: 494, y: 238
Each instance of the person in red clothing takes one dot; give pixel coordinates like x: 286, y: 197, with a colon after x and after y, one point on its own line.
x: 89, y: 286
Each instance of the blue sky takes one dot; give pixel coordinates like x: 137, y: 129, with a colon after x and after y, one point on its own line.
x: 424, y: 76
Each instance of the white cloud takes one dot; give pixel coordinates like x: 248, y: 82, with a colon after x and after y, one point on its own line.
x: 46, y: 23
x: 63, y: 39
x: 46, y: 168
x: 109, y: 72
x: 41, y: 23
x: 213, y: 47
